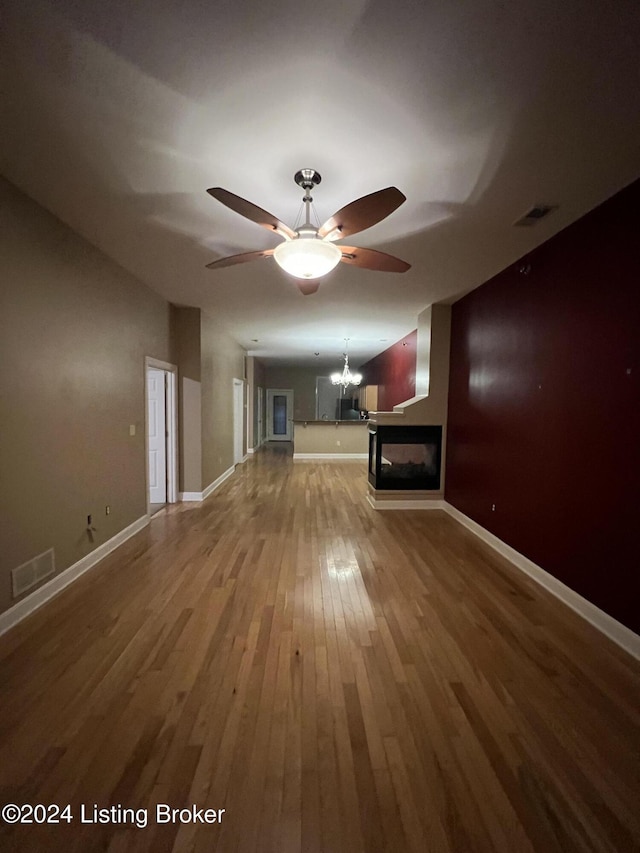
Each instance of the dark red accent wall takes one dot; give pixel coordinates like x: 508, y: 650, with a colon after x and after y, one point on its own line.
x: 394, y: 372
x: 544, y: 406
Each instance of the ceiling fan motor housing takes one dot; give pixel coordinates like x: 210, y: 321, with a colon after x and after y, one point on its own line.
x: 307, y: 178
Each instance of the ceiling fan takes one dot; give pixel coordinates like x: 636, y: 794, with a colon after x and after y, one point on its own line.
x: 309, y: 252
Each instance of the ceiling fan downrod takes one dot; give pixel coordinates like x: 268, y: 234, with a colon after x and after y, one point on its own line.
x: 307, y: 179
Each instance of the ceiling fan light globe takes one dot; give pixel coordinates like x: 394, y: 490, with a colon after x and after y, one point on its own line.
x: 307, y: 257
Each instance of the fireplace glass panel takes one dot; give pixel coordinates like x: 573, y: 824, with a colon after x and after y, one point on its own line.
x: 406, y: 457
x: 408, y: 461
x: 373, y: 446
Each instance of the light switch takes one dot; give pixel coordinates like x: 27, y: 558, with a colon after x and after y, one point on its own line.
x: 132, y: 429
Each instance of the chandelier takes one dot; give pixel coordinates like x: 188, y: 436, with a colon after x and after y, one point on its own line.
x: 346, y: 378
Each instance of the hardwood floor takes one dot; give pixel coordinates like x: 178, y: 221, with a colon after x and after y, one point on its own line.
x: 334, y: 678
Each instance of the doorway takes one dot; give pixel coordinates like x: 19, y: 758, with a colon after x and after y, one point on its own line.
x: 238, y: 421
x: 259, y: 438
x: 279, y: 414
x: 161, y: 434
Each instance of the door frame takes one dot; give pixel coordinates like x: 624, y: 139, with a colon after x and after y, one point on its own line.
x: 259, y: 417
x: 269, y: 425
x: 171, y: 373
x: 238, y: 421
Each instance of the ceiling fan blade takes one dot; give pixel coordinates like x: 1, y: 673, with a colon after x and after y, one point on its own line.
x: 370, y: 259
x: 306, y: 288
x: 251, y: 211
x: 362, y: 213
x: 243, y: 258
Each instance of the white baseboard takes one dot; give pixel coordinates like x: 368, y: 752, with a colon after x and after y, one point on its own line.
x: 329, y: 456
x: 200, y: 496
x: 47, y: 591
x: 434, y: 503
x: 609, y: 626
x: 220, y: 480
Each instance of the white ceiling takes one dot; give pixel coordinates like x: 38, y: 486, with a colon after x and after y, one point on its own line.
x: 117, y: 117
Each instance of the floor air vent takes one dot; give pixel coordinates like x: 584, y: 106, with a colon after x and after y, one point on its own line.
x: 30, y: 574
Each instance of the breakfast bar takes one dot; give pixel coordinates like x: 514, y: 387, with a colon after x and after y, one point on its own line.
x: 324, y: 439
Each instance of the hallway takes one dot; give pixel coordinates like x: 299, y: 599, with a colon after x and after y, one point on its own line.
x: 334, y: 678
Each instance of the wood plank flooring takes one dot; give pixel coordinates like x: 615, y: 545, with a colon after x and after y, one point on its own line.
x: 336, y: 679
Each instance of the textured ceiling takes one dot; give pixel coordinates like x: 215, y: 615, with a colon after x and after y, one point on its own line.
x: 117, y: 116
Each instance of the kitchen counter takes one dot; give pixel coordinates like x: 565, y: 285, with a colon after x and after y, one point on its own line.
x: 331, y: 422
x: 330, y: 439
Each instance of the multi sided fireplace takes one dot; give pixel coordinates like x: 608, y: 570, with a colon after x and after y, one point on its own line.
x: 405, y: 457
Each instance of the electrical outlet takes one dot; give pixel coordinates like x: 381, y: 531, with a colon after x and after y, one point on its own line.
x: 132, y: 429
x: 107, y: 510
x: 493, y: 507
x: 338, y: 442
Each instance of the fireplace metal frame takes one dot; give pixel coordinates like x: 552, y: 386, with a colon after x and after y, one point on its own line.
x: 406, y: 434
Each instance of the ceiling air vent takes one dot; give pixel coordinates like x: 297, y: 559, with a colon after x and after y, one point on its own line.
x: 537, y: 212
x: 30, y: 574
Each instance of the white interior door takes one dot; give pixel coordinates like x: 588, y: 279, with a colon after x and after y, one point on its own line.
x: 238, y: 420
x: 260, y: 433
x: 279, y: 414
x: 157, y: 435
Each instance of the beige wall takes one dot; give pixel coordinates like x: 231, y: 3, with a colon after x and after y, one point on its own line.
x: 222, y: 362
x: 302, y: 380
x: 432, y: 367
x: 186, y: 354
x: 255, y: 386
x: 75, y: 329
x: 208, y: 361
x: 324, y: 438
